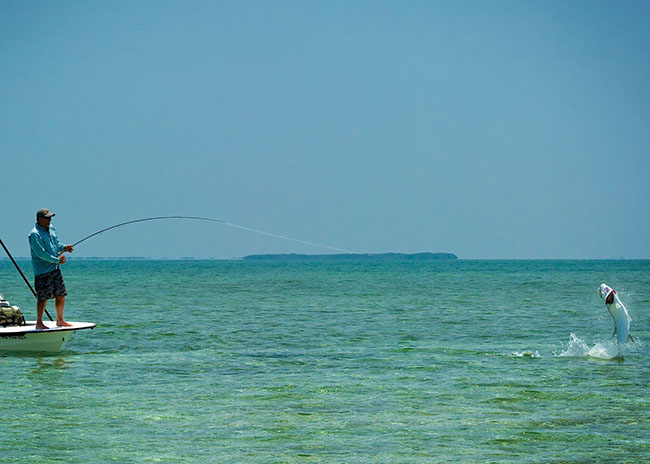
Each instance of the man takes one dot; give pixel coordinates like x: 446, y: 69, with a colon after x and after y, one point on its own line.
x: 47, y: 255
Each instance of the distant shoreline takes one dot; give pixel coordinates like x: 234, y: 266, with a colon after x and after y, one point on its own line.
x: 354, y: 257
x: 331, y: 257
x: 288, y: 257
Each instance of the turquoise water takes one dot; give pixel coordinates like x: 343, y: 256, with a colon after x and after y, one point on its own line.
x: 300, y: 362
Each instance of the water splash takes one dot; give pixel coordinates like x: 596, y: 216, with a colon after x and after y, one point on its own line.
x: 577, y: 348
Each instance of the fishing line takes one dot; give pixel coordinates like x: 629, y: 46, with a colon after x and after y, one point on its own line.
x: 225, y: 223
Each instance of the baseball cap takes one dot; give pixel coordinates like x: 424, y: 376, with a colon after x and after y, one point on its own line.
x: 44, y: 213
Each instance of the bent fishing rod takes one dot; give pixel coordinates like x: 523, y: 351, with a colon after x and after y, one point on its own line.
x: 226, y: 223
x: 158, y: 218
x: 22, y: 275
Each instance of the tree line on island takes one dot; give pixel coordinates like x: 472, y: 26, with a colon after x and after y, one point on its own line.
x: 354, y: 256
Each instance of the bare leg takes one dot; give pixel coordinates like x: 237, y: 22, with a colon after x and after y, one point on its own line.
x: 40, y: 309
x: 60, y: 305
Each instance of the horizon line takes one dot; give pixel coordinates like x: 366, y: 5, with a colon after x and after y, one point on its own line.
x: 235, y: 258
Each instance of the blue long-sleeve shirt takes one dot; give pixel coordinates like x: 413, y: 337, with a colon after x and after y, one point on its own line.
x: 45, y: 247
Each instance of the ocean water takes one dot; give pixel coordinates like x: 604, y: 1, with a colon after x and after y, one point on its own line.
x: 334, y: 362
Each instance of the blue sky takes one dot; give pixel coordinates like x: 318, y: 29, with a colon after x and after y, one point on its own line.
x: 502, y: 129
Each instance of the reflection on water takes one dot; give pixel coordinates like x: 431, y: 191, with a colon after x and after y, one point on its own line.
x: 48, y: 363
x: 48, y: 370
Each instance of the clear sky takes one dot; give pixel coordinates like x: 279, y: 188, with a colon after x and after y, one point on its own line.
x: 490, y: 129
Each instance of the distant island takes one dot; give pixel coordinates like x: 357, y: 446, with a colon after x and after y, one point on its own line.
x: 281, y: 257
x: 355, y: 257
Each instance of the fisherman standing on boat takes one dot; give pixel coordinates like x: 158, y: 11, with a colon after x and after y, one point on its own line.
x: 47, y: 255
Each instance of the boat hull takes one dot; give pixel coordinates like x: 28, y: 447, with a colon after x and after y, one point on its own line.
x: 22, y: 339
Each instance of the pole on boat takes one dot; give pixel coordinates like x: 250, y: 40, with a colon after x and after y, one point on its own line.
x: 23, y: 275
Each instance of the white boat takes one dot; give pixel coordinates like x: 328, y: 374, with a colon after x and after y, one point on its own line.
x: 26, y: 338
x: 18, y: 335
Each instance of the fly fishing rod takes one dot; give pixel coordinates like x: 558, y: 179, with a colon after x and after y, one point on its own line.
x: 23, y: 275
x: 226, y: 223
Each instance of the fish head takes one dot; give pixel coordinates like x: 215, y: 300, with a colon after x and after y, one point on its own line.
x: 606, y: 293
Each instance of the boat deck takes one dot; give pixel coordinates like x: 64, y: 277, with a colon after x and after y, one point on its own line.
x: 30, y: 327
x: 26, y: 338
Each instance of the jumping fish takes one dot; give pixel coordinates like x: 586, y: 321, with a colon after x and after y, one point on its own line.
x: 619, y: 313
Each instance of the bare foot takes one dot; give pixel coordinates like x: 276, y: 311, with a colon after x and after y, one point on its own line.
x: 41, y: 327
x: 63, y: 324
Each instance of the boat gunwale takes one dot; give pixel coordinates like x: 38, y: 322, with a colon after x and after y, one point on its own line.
x: 4, y: 333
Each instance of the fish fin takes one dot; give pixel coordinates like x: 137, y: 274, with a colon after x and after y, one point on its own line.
x: 629, y: 339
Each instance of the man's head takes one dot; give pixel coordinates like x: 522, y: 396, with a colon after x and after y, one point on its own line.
x: 44, y: 217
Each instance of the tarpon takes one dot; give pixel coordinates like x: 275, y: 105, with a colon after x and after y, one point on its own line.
x: 619, y: 313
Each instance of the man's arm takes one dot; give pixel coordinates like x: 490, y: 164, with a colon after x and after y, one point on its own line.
x: 38, y: 248
x: 61, y: 248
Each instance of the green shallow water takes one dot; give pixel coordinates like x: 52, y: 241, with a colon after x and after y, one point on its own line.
x: 300, y: 362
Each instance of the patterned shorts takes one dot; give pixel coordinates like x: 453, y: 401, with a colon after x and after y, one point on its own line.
x: 49, y: 285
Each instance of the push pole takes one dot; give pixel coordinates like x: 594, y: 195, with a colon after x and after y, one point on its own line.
x: 23, y: 275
